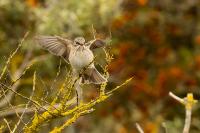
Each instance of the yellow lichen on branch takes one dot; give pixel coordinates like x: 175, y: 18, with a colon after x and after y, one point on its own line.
x: 76, y: 112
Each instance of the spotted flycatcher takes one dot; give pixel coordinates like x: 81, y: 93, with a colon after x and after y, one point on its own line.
x: 78, y: 53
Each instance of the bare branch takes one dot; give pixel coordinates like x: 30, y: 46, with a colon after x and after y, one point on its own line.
x: 31, y: 110
x: 8, y: 125
x: 11, y: 105
x: 93, y: 32
x: 21, y: 117
x: 176, y: 97
x: 188, y: 102
x: 18, y: 75
x: 187, y: 121
x: 19, y: 94
x: 165, y: 127
x: 11, y: 56
x: 139, y: 128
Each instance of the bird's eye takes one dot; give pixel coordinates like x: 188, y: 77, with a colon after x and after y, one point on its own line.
x: 78, y: 43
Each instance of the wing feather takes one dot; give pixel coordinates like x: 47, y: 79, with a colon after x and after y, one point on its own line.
x: 56, y: 45
x: 96, y: 43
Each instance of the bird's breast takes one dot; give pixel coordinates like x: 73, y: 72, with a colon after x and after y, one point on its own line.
x: 80, y: 57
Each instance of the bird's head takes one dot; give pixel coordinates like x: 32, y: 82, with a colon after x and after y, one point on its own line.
x: 79, y: 41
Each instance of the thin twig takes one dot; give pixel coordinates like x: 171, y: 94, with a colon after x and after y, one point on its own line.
x: 17, y: 114
x: 139, y: 128
x: 165, y: 127
x: 26, y: 107
x: 19, y: 94
x: 176, y: 97
x: 31, y: 110
x: 18, y: 74
x: 188, y: 102
x: 8, y: 125
x: 13, y: 54
x: 93, y: 32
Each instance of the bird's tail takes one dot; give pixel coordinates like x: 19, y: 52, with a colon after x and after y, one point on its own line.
x: 91, y: 75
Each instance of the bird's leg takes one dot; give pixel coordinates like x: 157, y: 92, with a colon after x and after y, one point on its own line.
x: 79, y: 92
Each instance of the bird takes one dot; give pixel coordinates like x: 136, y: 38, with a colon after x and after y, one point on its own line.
x: 78, y: 53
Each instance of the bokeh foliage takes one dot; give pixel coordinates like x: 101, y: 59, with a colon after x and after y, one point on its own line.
x: 156, y: 41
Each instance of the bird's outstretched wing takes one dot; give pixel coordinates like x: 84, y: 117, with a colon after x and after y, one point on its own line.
x: 96, y: 43
x: 56, y: 45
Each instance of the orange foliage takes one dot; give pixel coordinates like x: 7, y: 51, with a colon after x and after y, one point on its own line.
x: 162, y: 52
x: 122, y: 129
x: 119, y: 113
x: 197, y: 39
x: 190, y: 81
x: 124, y: 48
x: 141, y: 74
x: 151, y: 128
x: 141, y: 86
x: 197, y: 61
x: 175, y: 30
x: 117, y: 65
x: 32, y: 3
x: 139, y: 54
x: 142, y: 2
x: 176, y: 72
x: 135, y: 30
x: 127, y: 16
x: 161, y: 79
x: 155, y: 36
x: 117, y: 24
x: 122, y: 20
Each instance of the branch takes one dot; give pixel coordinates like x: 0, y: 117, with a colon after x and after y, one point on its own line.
x: 165, y: 127
x: 26, y: 107
x: 31, y: 110
x: 71, y: 120
x: 187, y: 121
x: 8, y: 125
x: 18, y: 75
x: 12, y: 55
x: 38, y: 120
x: 176, y: 97
x: 139, y: 128
x: 188, y: 102
x: 4, y: 102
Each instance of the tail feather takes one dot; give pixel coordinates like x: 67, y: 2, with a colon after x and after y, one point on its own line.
x: 93, y: 76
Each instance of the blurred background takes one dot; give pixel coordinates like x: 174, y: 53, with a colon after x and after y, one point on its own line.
x: 155, y: 41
